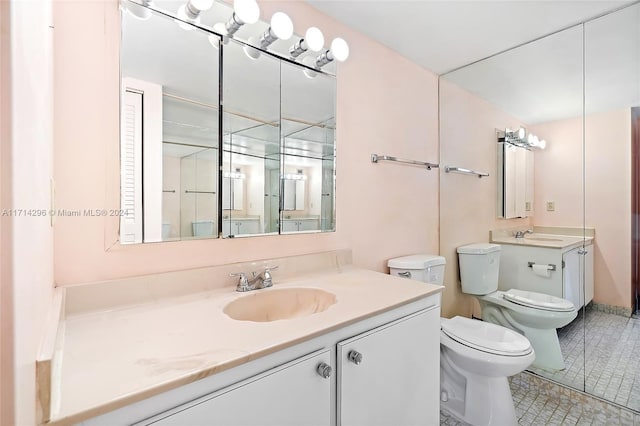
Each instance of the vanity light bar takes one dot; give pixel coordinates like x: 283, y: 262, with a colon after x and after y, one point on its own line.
x: 518, y: 138
x: 281, y: 28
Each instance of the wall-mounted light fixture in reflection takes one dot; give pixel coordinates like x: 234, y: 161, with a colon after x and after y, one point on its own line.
x: 521, y: 138
x: 138, y: 9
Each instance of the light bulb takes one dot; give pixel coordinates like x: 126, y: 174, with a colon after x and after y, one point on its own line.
x: 521, y: 132
x: 530, y: 139
x: 281, y: 25
x: 182, y: 16
x: 310, y: 62
x: 339, y: 49
x: 542, y: 144
x: 314, y: 39
x: 220, y: 28
x: 137, y: 9
x: 251, y: 52
x: 246, y: 11
x: 535, y: 140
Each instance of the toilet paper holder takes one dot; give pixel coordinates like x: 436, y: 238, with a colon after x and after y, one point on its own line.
x: 551, y: 266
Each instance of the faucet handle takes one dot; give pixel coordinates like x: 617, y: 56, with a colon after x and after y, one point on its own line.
x: 268, y: 282
x: 243, y: 282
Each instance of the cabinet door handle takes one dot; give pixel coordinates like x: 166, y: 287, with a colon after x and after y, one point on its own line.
x: 355, y: 357
x: 324, y: 370
x: 405, y: 274
x: 582, y: 251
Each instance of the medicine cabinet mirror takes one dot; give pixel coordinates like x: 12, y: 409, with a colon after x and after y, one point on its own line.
x: 259, y: 159
x: 515, y: 180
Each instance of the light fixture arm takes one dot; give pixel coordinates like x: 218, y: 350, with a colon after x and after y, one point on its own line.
x: 298, y: 48
x: 324, y: 58
x: 191, y: 11
x: 233, y: 24
x: 267, y: 38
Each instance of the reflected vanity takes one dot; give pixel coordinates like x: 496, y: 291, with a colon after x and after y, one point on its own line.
x: 219, y: 138
x: 575, y: 87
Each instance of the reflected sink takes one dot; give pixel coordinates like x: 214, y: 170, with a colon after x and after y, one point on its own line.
x: 543, y: 239
x: 280, y: 304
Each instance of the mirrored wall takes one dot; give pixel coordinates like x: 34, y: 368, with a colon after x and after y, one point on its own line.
x: 575, y: 90
x: 220, y: 138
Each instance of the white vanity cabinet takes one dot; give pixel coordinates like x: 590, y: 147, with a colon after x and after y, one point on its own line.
x: 292, y: 394
x: 297, y: 225
x: 572, y: 278
x: 383, y: 370
x: 240, y: 226
x: 386, y: 376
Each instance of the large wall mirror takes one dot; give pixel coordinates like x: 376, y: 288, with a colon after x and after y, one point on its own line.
x: 576, y: 89
x: 219, y: 138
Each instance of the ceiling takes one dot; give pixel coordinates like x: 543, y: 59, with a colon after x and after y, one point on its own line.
x: 535, y: 82
x: 446, y: 34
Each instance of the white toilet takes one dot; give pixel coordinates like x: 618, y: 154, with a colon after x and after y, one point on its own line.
x: 475, y: 356
x: 535, y: 315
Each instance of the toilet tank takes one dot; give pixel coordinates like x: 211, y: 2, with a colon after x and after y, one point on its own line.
x: 428, y: 268
x: 479, y: 267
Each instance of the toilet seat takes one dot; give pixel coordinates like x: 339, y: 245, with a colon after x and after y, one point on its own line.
x: 486, y: 337
x: 540, y: 301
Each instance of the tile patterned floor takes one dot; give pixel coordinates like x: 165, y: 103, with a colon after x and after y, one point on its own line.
x: 612, y: 366
x: 611, y: 363
x: 541, y: 402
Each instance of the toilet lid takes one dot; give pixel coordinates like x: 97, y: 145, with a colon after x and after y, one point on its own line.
x: 538, y: 300
x: 485, y: 336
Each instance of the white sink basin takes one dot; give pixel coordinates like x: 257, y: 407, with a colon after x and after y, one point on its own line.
x: 279, y: 304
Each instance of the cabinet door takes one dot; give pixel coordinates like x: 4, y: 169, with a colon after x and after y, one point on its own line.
x: 397, y: 381
x: 571, y: 282
x: 288, y: 226
x: 292, y: 394
x: 586, y: 265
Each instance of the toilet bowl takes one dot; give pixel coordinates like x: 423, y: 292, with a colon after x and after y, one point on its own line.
x: 535, y: 315
x: 475, y: 356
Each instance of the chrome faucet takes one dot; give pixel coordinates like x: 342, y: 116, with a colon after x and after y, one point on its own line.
x: 257, y: 281
x: 521, y: 234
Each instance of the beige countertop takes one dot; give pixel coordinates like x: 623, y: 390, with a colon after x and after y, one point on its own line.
x: 543, y: 240
x: 112, y: 358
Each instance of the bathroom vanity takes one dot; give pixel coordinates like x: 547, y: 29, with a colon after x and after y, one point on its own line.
x: 567, y: 258
x: 362, y: 349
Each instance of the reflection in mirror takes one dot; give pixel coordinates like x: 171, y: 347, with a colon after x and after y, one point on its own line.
x: 190, y: 169
x: 169, y: 136
x: 532, y: 86
x: 612, y: 92
x: 251, y: 141
x: 515, y: 180
x: 308, y: 129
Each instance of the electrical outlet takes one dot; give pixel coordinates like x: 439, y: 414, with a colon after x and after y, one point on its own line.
x: 527, y: 206
x: 551, y: 206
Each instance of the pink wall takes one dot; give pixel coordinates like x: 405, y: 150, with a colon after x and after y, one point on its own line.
x: 26, y: 242
x: 468, y: 204
x: 385, y: 104
x: 607, y: 192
